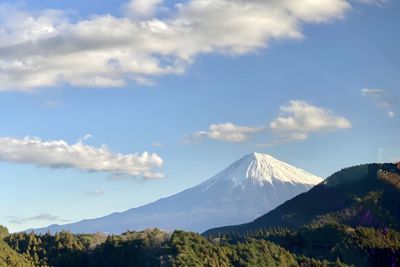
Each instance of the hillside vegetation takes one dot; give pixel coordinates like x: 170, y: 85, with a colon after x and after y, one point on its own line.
x: 153, y: 248
x: 9, y: 257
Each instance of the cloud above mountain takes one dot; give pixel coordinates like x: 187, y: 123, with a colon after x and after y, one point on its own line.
x: 227, y: 132
x: 49, y: 48
x: 299, y: 119
x: 59, y: 154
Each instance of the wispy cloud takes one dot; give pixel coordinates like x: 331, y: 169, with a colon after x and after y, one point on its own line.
x: 373, y: 2
x: 95, y: 192
x: 41, y: 217
x: 47, y: 48
x: 271, y: 144
x: 158, y: 144
x: 52, y: 103
x: 227, y: 132
x: 60, y: 154
x: 382, y: 98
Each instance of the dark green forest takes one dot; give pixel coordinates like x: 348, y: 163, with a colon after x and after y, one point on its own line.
x: 148, y: 248
x: 351, y: 219
x: 316, y: 245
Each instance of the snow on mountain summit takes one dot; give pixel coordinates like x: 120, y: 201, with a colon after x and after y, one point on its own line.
x: 262, y: 169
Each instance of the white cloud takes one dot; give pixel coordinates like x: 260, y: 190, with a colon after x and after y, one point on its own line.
x: 47, y: 48
x: 227, y: 132
x: 382, y: 98
x: 60, y: 154
x: 142, y: 8
x: 85, y: 138
x: 372, y: 92
x: 299, y: 119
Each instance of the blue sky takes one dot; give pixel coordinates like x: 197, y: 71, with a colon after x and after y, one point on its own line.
x: 317, y: 89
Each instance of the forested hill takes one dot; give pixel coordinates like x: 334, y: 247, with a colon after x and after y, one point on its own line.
x: 9, y: 257
x: 322, y: 246
x: 366, y: 195
x: 149, y: 248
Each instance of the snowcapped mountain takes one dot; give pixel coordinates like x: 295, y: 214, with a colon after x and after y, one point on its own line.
x: 247, y: 189
x: 263, y: 169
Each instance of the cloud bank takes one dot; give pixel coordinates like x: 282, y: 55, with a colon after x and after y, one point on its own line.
x: 60, y: 154
x: 48, y: 48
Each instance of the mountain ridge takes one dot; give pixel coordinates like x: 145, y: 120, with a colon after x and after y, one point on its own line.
x: 357, y: 196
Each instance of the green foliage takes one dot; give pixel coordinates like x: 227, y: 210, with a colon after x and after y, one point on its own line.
x: 3, y: 232
x: 148, y: 248
x: 65, y: 249
x: 194, y: 250
x: 62, y: 249
x: 311, y: 262
x: 10, y: 258
x: 328, y: 245
x: 370, y: 247
x: 131, y: 249
x: 360, y: 246
x: 367, y: 210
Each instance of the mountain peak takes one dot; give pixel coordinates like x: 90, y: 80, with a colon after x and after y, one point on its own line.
x: 259, y: 156
x: 263, y: 168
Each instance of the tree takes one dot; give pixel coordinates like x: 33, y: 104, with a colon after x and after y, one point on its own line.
x: 3, y: 232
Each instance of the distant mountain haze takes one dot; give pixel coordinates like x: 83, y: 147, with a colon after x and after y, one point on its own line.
x: 247, y: 189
